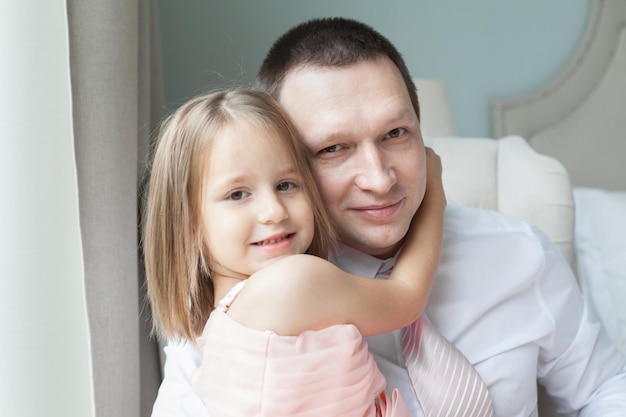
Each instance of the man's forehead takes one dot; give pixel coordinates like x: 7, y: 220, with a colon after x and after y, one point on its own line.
x: 333, y: 103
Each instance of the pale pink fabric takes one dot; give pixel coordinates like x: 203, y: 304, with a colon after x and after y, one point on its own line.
x: 445, y: 382
x: 247, y: 372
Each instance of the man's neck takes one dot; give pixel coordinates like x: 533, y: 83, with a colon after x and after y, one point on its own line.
x: 358, y: 262
x: 380, y: 253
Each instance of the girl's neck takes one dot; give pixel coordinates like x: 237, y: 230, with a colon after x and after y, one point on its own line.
x: 222, y: 284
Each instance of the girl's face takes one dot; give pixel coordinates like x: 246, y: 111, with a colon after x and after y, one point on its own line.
x: 254, y: 208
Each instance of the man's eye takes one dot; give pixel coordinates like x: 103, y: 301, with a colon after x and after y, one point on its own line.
x: 285, y: 186
x: 395, y: 133
x: 331, y: 149
x: 237, y: 195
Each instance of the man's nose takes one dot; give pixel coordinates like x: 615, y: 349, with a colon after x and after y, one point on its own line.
x: 375, y: 171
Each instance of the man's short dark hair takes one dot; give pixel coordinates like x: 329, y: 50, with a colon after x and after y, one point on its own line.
x: 328, y: 42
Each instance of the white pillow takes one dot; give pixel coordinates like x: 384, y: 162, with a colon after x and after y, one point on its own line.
x: 600, y: 239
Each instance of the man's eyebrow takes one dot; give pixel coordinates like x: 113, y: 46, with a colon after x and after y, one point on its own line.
x: 403, y: 115
x: 332, y: 138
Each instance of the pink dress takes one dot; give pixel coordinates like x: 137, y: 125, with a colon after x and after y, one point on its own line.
x: 328, y: 372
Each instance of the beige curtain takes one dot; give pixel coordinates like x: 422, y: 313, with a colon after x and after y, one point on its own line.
x: 80, y: 92
x: 45, y: 358
x: 117, y: 99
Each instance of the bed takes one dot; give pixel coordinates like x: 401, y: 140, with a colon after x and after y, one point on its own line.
x: 560, y: 151
x: 579, y: 118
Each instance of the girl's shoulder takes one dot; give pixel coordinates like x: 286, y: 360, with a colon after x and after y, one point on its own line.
x: 284, y: 296
x: 294, y: 272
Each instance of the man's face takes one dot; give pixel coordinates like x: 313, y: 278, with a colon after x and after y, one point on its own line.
x: 366, y: 147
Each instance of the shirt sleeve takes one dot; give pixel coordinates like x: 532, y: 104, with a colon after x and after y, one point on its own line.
x: 176, y: 397
x: 581, y: 369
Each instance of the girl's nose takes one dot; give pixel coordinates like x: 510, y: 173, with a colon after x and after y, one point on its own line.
x: 271, y: 209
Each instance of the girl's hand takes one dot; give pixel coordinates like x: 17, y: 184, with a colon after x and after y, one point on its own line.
x: 419, y: 257
x: 434, y: 184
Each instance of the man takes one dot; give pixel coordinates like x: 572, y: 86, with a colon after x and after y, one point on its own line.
x: 504, y: 295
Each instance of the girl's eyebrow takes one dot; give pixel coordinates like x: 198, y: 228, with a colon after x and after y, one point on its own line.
x: 291, y: 169
x: 226, y: 180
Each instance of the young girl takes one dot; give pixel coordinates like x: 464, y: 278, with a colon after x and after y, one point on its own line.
x: 233, y: 218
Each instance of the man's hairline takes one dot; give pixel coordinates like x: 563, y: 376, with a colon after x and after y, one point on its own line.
x: 300, y: 66
x: 296, y: 66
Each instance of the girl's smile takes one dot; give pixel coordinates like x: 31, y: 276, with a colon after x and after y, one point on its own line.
x: 284, y: 238
x: 255, y: 209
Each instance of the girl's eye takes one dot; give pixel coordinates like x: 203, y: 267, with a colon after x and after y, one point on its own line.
x: 285, y: 186
x: 237, y: 195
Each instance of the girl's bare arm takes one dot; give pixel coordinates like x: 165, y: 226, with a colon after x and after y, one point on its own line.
x: 303, y: 292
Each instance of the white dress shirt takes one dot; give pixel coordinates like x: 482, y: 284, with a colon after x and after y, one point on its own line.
x: 506, y: 297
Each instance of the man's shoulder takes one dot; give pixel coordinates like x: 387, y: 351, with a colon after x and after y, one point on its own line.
x: 463, y: 220
x: 487, y: 234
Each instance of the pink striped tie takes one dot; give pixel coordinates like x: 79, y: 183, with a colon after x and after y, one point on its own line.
x: 446, y: 384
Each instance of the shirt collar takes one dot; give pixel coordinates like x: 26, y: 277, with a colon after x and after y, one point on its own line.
x: 358, y: 263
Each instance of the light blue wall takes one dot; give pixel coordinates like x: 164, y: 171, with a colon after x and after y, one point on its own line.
x: 481, y: 49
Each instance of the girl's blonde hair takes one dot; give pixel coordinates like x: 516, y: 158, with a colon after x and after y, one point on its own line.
x: 177, y: 261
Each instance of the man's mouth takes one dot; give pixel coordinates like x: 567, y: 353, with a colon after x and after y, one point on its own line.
x: 379, y: 212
